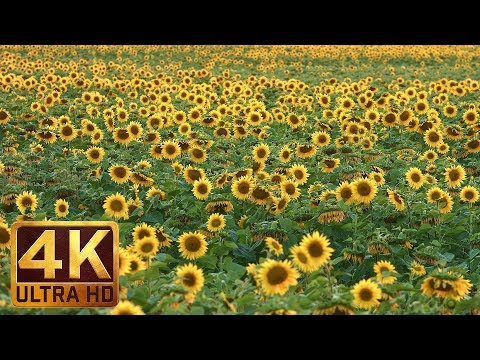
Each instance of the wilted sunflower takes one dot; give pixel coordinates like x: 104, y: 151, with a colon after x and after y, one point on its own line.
x: 216, y: 222
x: 126, y: 307
x: 276, y: 277
x: 366, y: 294
x: 469, y: 194
x: 192, y: 245
x: 4, y: 235
x: 395, y: 198
x: 455, y: 175
x: 318, y: 248
x: 147, y: 246
x: 120, y: 174
x: 415, y: 178
x: 26, y: 200
x: 364, y: 190
x: 243, y: 187
x: 274, y: 246
x: 201, y: 188
x: 115, y: 205
x: 191, y: 277
x: 61, y: 208
x: 384, y: 266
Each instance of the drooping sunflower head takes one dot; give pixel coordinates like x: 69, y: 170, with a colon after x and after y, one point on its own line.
x: 417, y: 269
x: 329, y: 164
x: 140, y: 179
x: 162, y: 237
x: 192, y: 245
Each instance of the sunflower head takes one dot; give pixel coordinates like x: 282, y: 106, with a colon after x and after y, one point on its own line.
x: 276, y: 277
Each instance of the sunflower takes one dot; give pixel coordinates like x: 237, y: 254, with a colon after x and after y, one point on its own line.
x: 395, y: 198
x: 142, y: 231
x: 123, y: 261
x: 201, y: 188
x: 26, y: 200
x: 277, y: 276
x: 289, y: 189
x: 305, y: 151
x: 153, y: 191
x: 120, y: 174
x: 473, y: 146
x: 449, y: 286
x: 261, y: 152
x: 198, y: 155
x: 126, y: 307
x: 279, y: 204
x: 285, y: 154
x: 469, y: 194
x: 4, y: 235
x: 243, y: 187
x: 328, y: 165
x: 299, y: 173
x: 317, y: 246
x: 434, y: 194
x: 95, y: 154
x: 470, y: 117
x: 61, y: 208
x: 455, y: 175
x: 384, y: 266
x: 344, y: 192
x: 221, y: 206
x: 162, y: 237
x: 171, y: 149
x: 364, y: 190
x: 433, y: 137
x: 417, y: 269
x: 177, y: 167
x: 415, y: 178
x: 147, y: 246
x: 301, y: 259
x: 445, y: 203
x: 421, y: 107
x: 321, y: 138
x: 450, y: 110
x: 192, y: 174
x: 216, y: 222
x: 136, y: 263
x: 366, y: 294
x: 116, y: 206
x: 191, y: 277
x: 67, y: 133
x: 140, y: 179
x: 4, y: 116
x: 192, y: 245
x: 274, y: 246
x: 156, y: 151
x: 122, y: 136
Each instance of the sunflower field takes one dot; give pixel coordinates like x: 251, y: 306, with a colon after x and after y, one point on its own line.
x: 254, y: 179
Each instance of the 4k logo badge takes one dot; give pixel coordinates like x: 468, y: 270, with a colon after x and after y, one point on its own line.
x: 64, y: 264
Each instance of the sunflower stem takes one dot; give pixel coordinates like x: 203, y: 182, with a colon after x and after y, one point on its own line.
x: 329, y: 277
